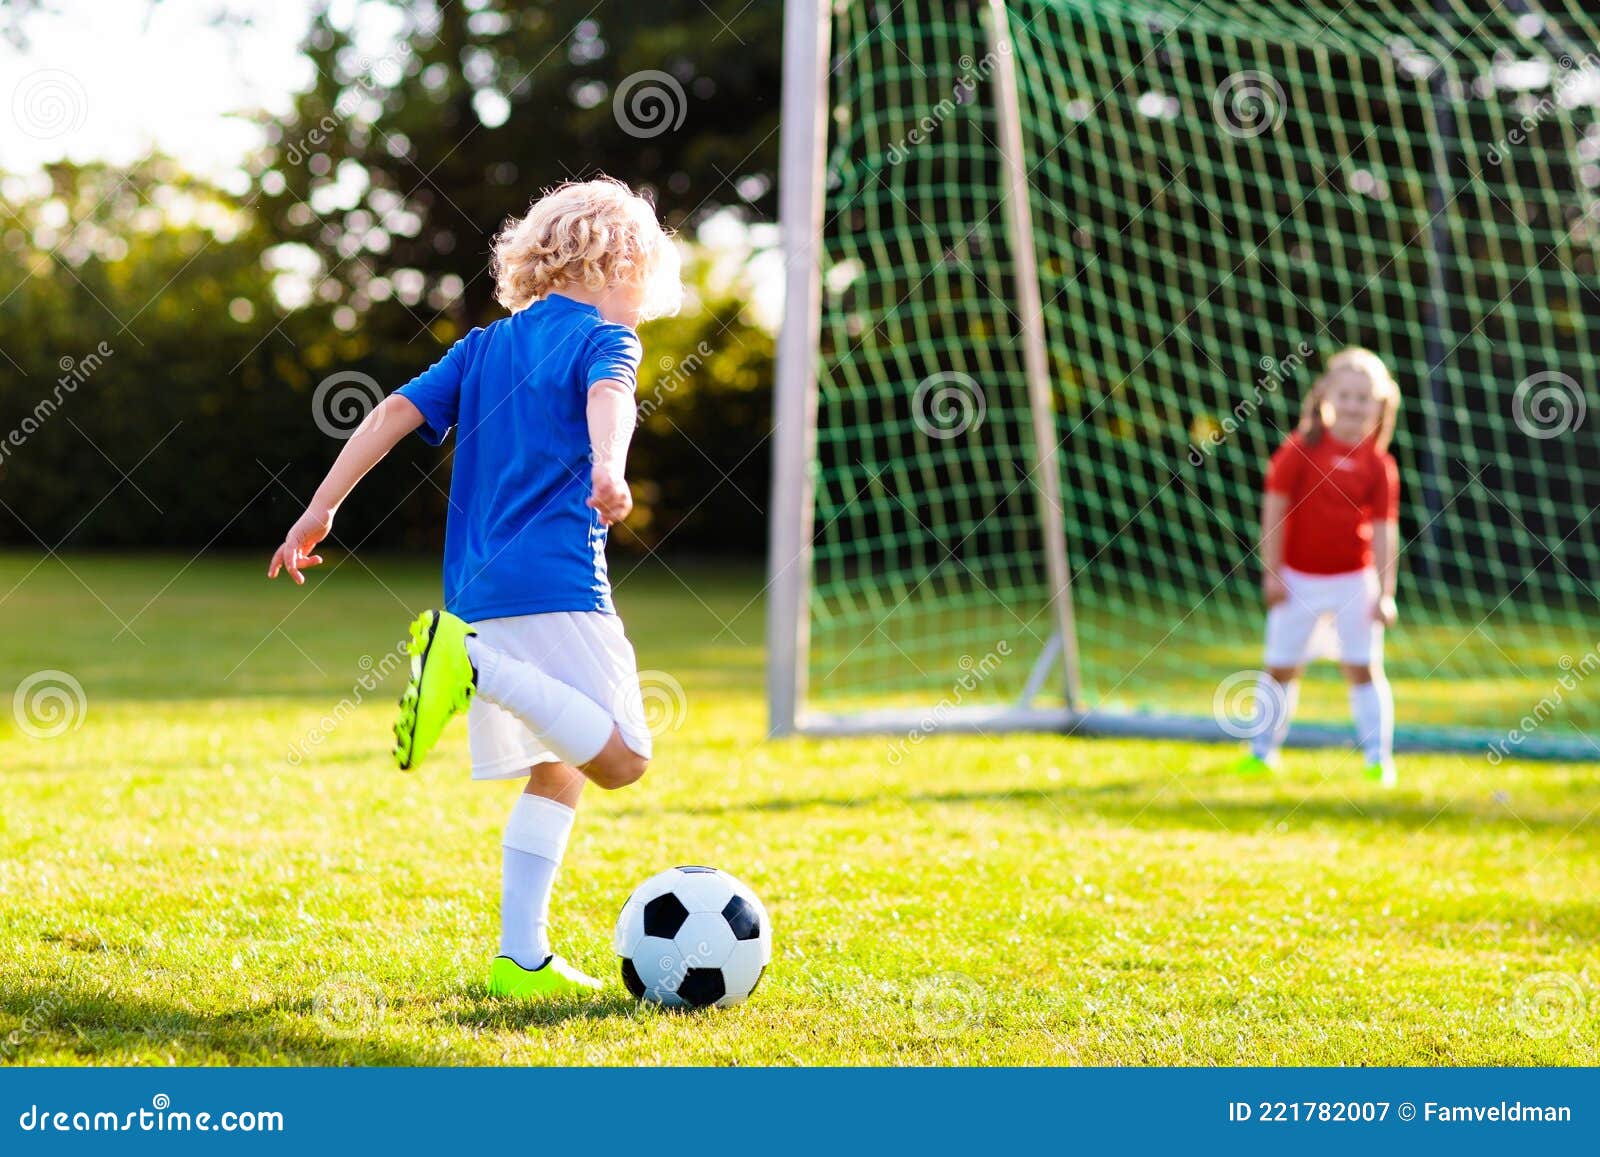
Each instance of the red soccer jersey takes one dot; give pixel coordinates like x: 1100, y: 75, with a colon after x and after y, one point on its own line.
x: 1335, y: 491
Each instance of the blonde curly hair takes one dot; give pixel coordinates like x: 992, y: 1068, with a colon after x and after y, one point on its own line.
x: 592, y: 234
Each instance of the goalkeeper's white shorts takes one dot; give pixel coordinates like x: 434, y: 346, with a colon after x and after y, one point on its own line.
x: 1326, y: 616
x: 584, y: 649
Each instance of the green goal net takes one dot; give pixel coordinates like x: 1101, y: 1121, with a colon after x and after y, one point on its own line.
x: 1218, y: 196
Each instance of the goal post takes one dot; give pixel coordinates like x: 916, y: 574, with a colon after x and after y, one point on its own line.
x: 1058, y: 273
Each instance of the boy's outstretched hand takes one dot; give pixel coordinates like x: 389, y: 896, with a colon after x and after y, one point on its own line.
x: 611, y: 496
x: 295, y: 553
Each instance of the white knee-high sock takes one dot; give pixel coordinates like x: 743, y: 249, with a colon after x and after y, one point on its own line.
x: 1372, y: 706
x: 531, y: 851
x: 569, y: 723
x: 1275, y: 703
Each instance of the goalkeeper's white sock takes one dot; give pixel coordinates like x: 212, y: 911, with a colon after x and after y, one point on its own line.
x: 531, y: 850
x: 1372, y: 707
x: 1275, y: 703
x: 566, y: 720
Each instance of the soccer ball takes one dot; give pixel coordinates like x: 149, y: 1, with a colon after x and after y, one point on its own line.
x: 693, y: 937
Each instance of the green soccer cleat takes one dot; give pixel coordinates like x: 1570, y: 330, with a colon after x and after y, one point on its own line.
x: 555, y: 977
x: 1252, y: 764
x: 1383, y: 773
x: 442, y: 684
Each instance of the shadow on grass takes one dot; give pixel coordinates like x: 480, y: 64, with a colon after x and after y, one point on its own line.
x: 99, y: 1026
x: 1168, y: 803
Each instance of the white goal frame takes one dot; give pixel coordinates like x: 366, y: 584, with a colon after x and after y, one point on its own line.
x: 805, y: 117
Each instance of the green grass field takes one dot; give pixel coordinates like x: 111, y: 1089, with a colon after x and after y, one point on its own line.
x: 178, y: 885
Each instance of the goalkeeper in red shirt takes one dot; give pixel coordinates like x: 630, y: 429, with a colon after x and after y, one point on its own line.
x: 1329, y: 544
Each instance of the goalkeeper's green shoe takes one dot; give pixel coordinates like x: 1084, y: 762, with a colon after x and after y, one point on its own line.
x: 442, y: 684
x: 1383, y: 773
x: 1252, y: 764
x: 555, y: 977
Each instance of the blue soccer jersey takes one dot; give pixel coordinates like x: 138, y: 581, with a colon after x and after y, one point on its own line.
x: 519, y: 539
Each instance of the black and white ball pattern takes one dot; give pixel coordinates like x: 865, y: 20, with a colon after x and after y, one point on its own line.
x: 693, y: 937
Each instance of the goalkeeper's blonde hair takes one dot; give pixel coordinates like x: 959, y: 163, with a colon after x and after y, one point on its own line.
x: 1384, y: 388
x: 592, y: 234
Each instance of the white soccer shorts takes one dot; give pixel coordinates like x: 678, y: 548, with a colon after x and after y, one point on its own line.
x: 1298, y: 628
x: 585, y: 649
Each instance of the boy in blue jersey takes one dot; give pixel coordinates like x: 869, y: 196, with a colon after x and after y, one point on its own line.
x: 529, y: 643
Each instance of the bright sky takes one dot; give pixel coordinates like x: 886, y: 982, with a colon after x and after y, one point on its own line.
x: 111, y: 79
